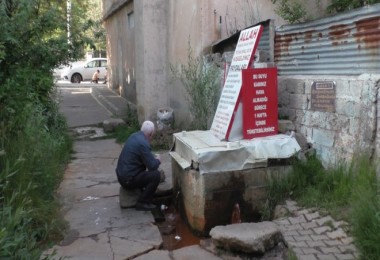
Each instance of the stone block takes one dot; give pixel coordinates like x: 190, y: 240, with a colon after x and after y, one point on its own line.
x: 298, y: 101
x: 247, y: 237
x: 285, y: 126
x: 323, y: 137
x: 128, y: 198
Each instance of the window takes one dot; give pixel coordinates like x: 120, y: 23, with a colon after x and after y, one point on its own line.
x: 131, y: 20
x: 103, y: 63
x: 91, y: 64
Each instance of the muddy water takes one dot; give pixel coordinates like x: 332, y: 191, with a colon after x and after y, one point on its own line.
x: 175, y: 232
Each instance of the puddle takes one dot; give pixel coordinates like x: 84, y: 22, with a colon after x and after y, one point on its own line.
x: 175, y: 232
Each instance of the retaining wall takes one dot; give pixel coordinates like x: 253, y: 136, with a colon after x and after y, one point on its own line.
x: 338, y: 135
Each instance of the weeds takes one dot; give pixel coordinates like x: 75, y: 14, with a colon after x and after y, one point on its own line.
x: 349, y: 193
x: 162, y: 140
x: 30, y: 173
x: 202, y: 87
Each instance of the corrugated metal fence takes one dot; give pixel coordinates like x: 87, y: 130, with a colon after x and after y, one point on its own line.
x: 344, y: 44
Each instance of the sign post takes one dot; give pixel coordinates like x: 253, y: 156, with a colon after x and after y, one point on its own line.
x: 227, y: 123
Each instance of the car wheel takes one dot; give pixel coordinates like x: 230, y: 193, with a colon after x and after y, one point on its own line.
x: 76, y: 78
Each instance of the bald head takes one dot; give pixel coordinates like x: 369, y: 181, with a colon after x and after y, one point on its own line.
x: 148, y: 129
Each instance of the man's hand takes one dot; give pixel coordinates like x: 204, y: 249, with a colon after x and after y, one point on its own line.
x: 158, y: 157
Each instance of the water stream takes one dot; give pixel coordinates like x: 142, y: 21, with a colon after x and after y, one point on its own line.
x: 174, y: 230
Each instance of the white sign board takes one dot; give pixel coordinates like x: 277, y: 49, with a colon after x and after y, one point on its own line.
x: 228, y: 103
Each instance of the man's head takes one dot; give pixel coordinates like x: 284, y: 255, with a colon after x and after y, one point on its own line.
x: 148, y: 129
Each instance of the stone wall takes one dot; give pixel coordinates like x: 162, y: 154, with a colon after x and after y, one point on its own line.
x: 338, y: 135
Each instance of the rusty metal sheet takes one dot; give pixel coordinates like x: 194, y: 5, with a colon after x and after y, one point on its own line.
x: 343, y: 44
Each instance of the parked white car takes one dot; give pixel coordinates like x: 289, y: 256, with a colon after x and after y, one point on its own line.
x: 84, y: 71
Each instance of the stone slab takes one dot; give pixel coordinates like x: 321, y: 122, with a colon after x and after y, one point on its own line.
x: 156, y: 255
x: 247, y: 237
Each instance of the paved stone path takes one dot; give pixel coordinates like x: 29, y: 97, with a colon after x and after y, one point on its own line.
x: 315, y: 237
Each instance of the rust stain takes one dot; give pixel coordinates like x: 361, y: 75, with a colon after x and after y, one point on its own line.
x: 282, y: 43
x: 368, y: 32
x: 338, y: 34
x: 309, y: 36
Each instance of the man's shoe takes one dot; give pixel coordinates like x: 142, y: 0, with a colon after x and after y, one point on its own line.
x: 145, y: 206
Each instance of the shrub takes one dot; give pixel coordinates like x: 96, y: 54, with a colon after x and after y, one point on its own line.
x: 201, y: 82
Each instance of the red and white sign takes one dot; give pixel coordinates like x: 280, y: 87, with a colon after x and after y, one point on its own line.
x: 225, y: 117
x: 259, y: 94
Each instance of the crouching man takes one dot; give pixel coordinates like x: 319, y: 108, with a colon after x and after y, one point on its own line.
x: 137, y: 167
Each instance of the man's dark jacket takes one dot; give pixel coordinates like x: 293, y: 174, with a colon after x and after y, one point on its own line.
x: 135, y: 157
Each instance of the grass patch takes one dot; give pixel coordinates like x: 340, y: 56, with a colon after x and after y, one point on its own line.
x: 350, y: 193
x: 162, y: 140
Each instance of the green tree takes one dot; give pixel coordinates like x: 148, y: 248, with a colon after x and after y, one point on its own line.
x: 294, y: 11
x: 34, y: 142
x: 337, y: 6
x: 95, y: 31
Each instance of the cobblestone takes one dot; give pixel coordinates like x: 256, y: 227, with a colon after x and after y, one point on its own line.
x: 312, y: 216
x: 326, y: 257
x: 312, y: 237
x: 321, y: 230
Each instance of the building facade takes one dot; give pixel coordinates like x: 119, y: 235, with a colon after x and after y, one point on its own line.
x: 147, y: 37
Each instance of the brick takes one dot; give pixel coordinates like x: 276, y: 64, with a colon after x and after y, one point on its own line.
x: 339, y: 233
x: 292, y: 227
x: 318, y: 243
x: 301, y: 212
x: 326, y: 257
x: 338, y: 224
x: 345, y: 256
x: 318, y: 237
x: 321, y: 230
x: 298, y: 244
x: 330, y: 250
x: 324, y: 220
x: 289, y: 239
x: 348, y: 249
x: 290, y: 233
x: 307, y: 257
x: 333, y: 242
x: 302, y: 238
x: 297, y: 251
x: 297, y: 220
x: 309, y: 225
x: 306, y: 232
x: 309, y: 251
x: 347, y: 240
x: 312, y: 216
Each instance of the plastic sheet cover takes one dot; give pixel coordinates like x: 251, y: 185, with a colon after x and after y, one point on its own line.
x: 210, y: 155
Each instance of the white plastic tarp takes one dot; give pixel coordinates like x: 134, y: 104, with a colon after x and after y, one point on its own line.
x: 212, y: 155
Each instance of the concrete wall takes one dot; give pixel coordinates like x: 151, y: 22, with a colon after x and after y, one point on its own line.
x: 151, y: 57
x: 196, y: 25
x: 338, y: 135
x: 121, y: 51
x: 140, y: 57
